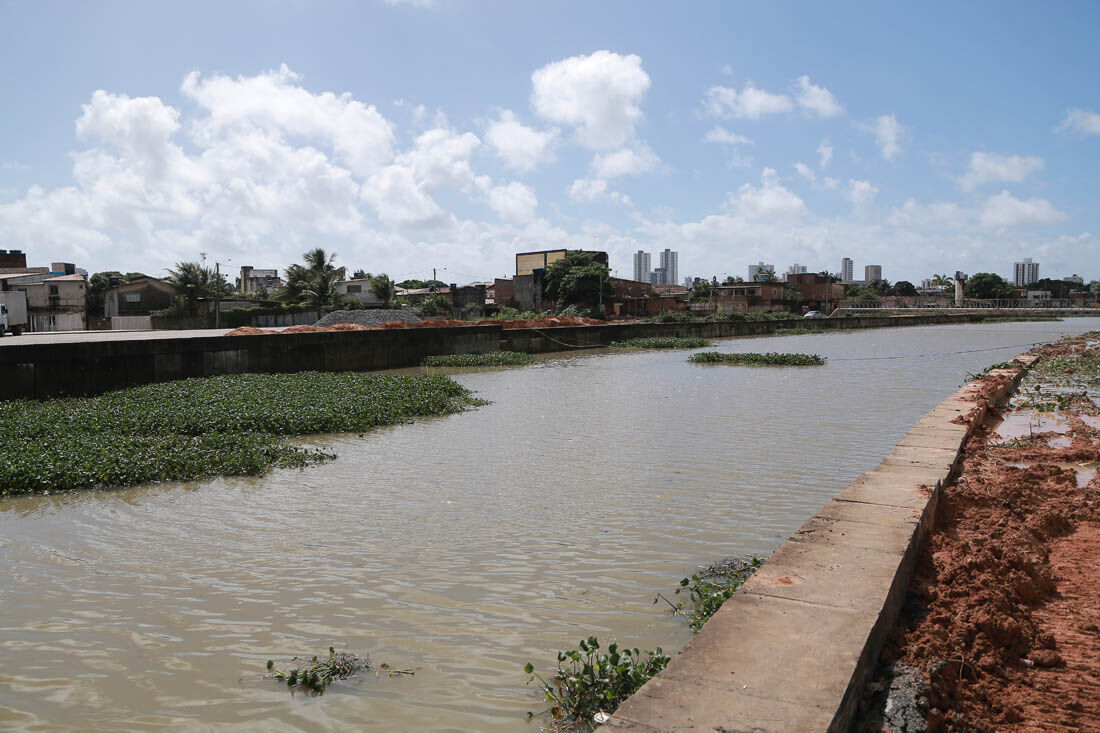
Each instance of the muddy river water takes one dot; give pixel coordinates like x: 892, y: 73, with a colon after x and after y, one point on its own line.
x: 461, y: 547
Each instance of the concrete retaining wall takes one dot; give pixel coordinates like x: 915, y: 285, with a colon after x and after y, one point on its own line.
x: 793, y: 650
x: 32, y: 370
x: 569, y: 338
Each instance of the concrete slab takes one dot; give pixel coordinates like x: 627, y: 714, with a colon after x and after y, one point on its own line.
x: 798, y: 689
x: 936, y: 458
x: 930, y: 438
x: 893, y: 486
x: 879, y: 514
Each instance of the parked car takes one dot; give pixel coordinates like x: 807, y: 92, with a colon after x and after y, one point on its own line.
x: 812, y: 314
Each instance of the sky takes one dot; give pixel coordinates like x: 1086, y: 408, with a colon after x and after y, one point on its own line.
x: 450, y: 134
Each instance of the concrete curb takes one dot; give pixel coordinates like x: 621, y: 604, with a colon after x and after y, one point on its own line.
x: 793, y: 650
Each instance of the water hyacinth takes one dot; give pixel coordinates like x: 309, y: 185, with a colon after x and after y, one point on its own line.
x: 663, y: 342
x: 229, y: 425
x: 493, y: 358
x: 755, y: 359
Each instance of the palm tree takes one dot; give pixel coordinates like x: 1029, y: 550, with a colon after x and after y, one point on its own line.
x: 315, y: 282
x: 193, y: 281
x: 942, y: 281
x: 382, y: 287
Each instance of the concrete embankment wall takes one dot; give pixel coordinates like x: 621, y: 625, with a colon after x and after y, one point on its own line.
x: 794, y: 649
x: 35, y: 370
x: 543, y: 340
x: 91, y: 367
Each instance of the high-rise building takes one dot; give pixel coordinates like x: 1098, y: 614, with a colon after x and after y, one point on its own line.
x: 641, y: 266
x: 872, y: 273
x: 847, y: 270
x: 670, y: 267
x: 759, y: 267
x: 1025, y: 273
x: 795, y: 269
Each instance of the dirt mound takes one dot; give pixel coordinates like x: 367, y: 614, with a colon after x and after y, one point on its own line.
x: 367, y: 317
x: 304, y: 329
x: 249, y: 331
x: 350, y: 327
x: 1002, y: 613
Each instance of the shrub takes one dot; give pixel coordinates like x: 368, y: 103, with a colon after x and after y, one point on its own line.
x: 493, y: 358
x: 663, y: 342
x: 769, y: 359
x: 674, y: 317
x: 589, y: 681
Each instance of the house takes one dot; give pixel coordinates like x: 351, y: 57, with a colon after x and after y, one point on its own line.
x: 816, y: 290
x: 754, y: 296
x: 253, y: 280
x: 139, y: 297
x: 55, y: 302
x: 359, y: 289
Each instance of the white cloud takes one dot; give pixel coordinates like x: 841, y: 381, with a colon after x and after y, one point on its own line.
x: 862, y: 195
x: 830, y: 183
x: 599, y: 95
x: 991, y: 167
x: 522, y: 148
x: 514, y: 202
x: 817, y: 100
x: 806, y: 172
x: 768, y: 201
x: 825, y: 154
x: 1004, y: 210
x: 274, y: 102
x: 412, y: 3
x: 1080, y: 121
x: 750, y: 103
x: 587, y: 190
x: 727, y: 69
x: 719, y: 134
x: 888, y: 133
x: 625, y: 162
x: 939, y: 215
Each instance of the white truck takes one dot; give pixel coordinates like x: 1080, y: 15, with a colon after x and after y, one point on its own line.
x: 13, y: 312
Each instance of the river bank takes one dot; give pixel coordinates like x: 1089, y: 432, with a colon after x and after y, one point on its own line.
x: 1000, y: 630
x: 459, y: 547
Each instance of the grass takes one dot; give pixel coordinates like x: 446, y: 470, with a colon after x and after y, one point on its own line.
x: 229, y: 425
x: 755, y: 359
x: 662, y: 342
x: 493, y: 358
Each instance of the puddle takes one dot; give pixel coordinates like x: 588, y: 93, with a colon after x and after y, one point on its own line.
x: 1024, y: 424
x: 1060, y: 442
x: 1093, y: 421
x: 1084, y: 477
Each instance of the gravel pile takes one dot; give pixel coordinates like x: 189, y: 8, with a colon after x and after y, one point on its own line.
x: 367, y: 317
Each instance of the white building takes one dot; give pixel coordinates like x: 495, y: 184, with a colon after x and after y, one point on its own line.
x: 847, y: 270
x: 670, y: 266
x: 641, y: 266
x: 795, y: 269
x: 1075, y: 279
x: 759, y: 267
x: 1025, y: 273
x: 872, y: 273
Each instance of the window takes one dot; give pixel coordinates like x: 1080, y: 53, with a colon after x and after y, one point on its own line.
x: 133, y: 297
x: 53, y: 290
x: 355, y: 289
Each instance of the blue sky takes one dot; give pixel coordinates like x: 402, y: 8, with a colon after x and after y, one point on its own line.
x: 452, y: 134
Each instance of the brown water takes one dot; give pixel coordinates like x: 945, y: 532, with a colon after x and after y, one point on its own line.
x: 461, y: 547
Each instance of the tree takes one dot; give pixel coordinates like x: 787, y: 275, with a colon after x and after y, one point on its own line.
x: 382, y: 287
x: 765, y: 274
x: 988, y: 286
x: 701, y: 291
x: 791, y: 296
x: 942, y: 281
x: 733, y: 280
x: 578, y: 278
x: 192, y: 282
x: 833, y: 277
x: 360, y: 274
x: 315, y: 282
x: 417, y: 284
x: 881, y: 287
x: 904, y: 287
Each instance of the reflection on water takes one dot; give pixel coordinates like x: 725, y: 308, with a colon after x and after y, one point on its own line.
x: 461, y: 547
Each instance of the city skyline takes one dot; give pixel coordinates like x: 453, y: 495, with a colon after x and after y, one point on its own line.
x: 179, y: 130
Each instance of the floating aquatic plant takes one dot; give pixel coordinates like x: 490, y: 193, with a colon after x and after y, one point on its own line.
x: 493, y: 358
x: 755, y: 359
x: 663, y: 342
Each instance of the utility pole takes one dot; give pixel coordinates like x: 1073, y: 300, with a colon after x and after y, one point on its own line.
x: 217, y: 294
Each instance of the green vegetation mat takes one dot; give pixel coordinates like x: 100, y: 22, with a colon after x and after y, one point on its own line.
x: 662, y: 342
x: 194, y: 428
x: 493, y: 358
x: 769, y: 359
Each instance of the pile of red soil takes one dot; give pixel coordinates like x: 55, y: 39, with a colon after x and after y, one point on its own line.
x: 1008, y: 590
x: 548, y: 322
x: 249, y: 331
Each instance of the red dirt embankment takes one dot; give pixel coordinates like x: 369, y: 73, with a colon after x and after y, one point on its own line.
x: 1004, y: 610
x: 547, y: 322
